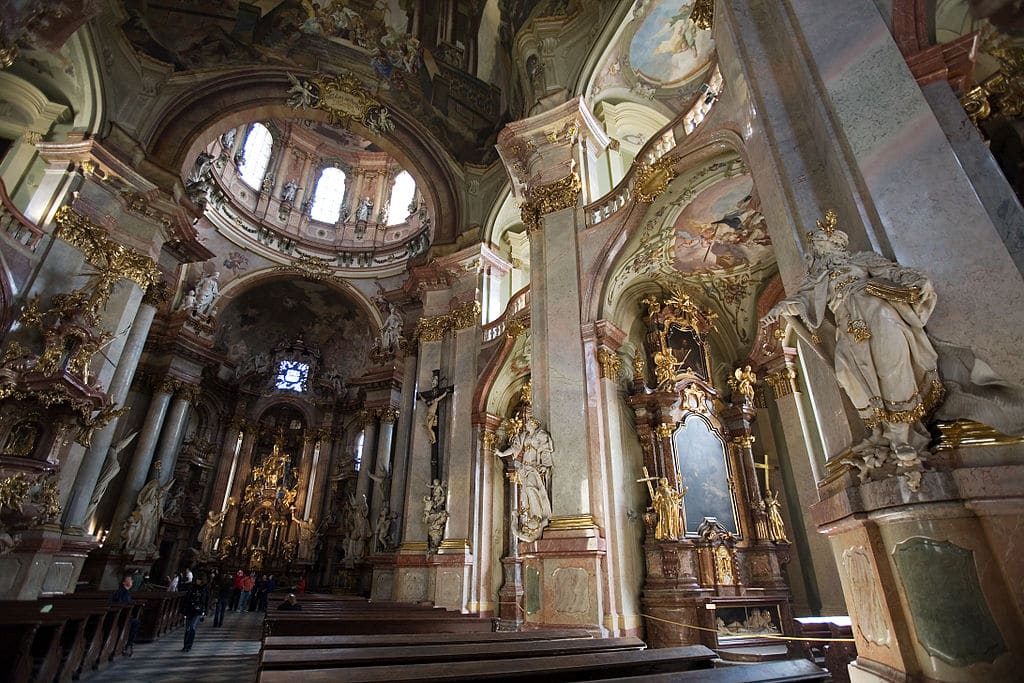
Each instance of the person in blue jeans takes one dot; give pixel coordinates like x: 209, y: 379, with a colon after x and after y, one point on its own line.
x: 123, y: 594
x: 224, y: 590
x: 193, y: 607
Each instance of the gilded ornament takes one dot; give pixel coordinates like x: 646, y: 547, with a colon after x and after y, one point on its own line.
x: 639, y: 364
x: 30, y: 314
x: 364, y: 418
x: 311, y: 268
x: 611, y: 363
x: 970, y: 434
x: 13, y: 491
x: 746, y: 441
x: 388, y: 415
x: 653, y: 179
x: 526, y: 393
x: 156, y: 294
x: 859, y: 330
x: 743, y: 381
x: 431, y: 329
x: 464, y: 315
x: 782, y: 382
x: 545, y: 199
x: 665, y: 430
x: 515, y: 327
x: 489, y: 440
x: 703, y: 14
x: 1002, y: 93
x: 344, y: 99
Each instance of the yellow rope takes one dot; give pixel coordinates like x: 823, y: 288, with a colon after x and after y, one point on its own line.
x: 758, y: 635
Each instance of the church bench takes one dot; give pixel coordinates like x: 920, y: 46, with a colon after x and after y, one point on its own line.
x: 307, y: 642
x: 440, y: 652
x: 112, y: 633
x: 160, y: 613
x: 558, y: 668
x: 784, y: 671
x: 334, y: 625
x: 835, y: 656
x: 81, y: 625
x: 34, y: 653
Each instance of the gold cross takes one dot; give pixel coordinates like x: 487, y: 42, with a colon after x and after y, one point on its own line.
x: 766, y: 467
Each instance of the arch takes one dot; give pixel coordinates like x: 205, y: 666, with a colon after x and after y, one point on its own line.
x: 186, y: 127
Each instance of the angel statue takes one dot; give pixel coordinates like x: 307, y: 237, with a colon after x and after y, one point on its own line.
x: 301, y: 94
x: 111, y: 467
x: 883, y: 358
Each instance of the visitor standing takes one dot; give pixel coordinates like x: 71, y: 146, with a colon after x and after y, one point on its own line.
x: 193, y: 607
x: 123, y: 595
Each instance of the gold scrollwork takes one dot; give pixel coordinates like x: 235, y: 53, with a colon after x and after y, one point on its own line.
x: 1002, y: 93
x: 311, y: 268
x: 388, y: 415
x: 156, y: 294
x: 611, y: 364
x: 344, y: 99
x: 464, y: 315
x: 112, y: 261
x: 703, y: 14
x: 653, y: 179
x: 970, y: 434
x: 859, y: 330
x: 544, y: 199
x: 489, y: 440
x: 782, y: 382
x: 432, y: 328
x: 665, y: 430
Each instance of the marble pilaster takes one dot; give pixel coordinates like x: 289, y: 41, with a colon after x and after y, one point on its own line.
x: 403, y: 440
x: 142, y: 458
x: 368, y: 422
x: 385, y: 439
x: 309, y: 446
x: 120, y: 383
x: 173, y: 432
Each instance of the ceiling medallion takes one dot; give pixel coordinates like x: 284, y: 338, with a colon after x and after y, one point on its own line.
x: 344, y: 99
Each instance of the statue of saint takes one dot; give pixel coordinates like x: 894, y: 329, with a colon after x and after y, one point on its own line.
x: 391, y: 331
x: 776, y: 528
x: 306, y: 531
x: 667, y: 503
x: 364, y: 210
x: 207, y: 290
x: 210, y: 532
x: 200, y: 169
x: 883, y: 358
x: 530, y: 450
x: 435, y: 516
x: 145, y: 519
x: 289, y: 191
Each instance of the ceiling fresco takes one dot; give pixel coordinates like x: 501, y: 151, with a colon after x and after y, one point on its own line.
x: 659, y: 54
x: 281, y: 311
x: 667, y: 48
x: 705, y: 233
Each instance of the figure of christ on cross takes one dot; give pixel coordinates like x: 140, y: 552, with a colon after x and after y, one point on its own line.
x: 433, y: 397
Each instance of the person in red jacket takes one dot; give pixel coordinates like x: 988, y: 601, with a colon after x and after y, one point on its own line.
x: 236, y: 590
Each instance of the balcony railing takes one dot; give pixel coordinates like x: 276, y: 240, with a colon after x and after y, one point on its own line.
x: 15, y: 225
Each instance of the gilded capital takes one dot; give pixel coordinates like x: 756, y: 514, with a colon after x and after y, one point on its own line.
x: 464, y: 315
x: 563, y: 193
x: 388, y: 415
x: 611, y: 363
x: 782, y: 382
x: 113, y: 261
x: 432, y: 328
x: 188, y: 392
x: 665, y: 430
x: 156, y: 294
x: 363, y: 418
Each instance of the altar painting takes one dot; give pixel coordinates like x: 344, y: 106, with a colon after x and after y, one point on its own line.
x: 702, y: 460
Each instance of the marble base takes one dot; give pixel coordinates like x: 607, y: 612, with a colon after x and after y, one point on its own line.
x: 43, y: 563
x: 563, y: 579
x: 382, y: 583
x: 931, y: 577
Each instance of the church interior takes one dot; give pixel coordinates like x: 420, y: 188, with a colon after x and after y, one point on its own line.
x: 669, y: 326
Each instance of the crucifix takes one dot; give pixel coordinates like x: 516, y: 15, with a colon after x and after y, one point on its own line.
x: 433, y: 397
x: 767, y: 468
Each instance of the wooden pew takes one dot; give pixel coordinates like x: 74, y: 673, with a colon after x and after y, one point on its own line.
x: 556, y: 668
x: 834, y: 656
x: 80, y: 635
x: 37, y: 650
x: 787, y: 671
x: 458, y: 652
x: 361, y: 625
x: 395, y: 639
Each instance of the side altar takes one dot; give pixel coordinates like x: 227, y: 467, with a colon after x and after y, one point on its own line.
x: 715, y: 543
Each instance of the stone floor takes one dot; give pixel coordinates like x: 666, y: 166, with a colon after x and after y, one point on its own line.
x: 227, y: 653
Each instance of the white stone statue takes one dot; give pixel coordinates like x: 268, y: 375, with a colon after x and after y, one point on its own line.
x: 365, y: 209
x: 306, y: 530
x: 210, y: 532
x: 435, y: 515
x: 188, y: 302
x: 200, y: 169
x: 391, y: 331
x: 207, y: 290
x: 111, y: 466
x: 141, y: 526
x: 883, y: 358
x: 530, y: 450
x: 360, y: 529
x: 382, y: 528
x: 289, y: 191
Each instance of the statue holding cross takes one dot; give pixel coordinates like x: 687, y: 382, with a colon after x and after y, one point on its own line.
x: 667, y: 504
x: 776, y: 528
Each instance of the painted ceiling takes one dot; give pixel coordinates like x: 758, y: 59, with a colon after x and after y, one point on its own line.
x: 281, y: 311
x: 705, y: 233
x: 659, y: 54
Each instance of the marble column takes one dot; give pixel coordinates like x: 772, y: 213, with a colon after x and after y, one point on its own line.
x: 138, y: 471
x: 323, y: 469
x: 309, y: 444
x: 241, y: 474
x: 173, y: 432
x: 368, y: 422
x: 545, y: 168
x: 227, y: 463
x: 388, y: 416
x: 120, y: 383
x: 403, y: 441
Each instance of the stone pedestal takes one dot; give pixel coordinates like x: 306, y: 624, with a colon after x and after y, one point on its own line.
x: 567, y: 561
x: 931, y: 577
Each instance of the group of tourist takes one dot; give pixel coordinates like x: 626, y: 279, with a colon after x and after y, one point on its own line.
x: 241, y: 592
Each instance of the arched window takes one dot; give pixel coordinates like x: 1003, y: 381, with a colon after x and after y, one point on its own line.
x: 402, y: 194
x: 360, y: 440
x: 256, y: 155
x: 328, y: 196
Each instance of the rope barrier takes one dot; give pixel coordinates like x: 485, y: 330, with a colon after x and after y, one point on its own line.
x: 759, y: 635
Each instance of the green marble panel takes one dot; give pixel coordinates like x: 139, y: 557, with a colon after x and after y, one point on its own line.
x: 952, y: 619
x: 532, y: 590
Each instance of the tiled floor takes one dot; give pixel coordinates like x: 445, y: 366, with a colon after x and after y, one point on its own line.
x: 227, y: 653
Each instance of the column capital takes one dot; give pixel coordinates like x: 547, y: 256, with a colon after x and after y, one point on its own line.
x: 540, y: 152
x: 611, y: 363
x: 156, y: 294
x: 387, y: 415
